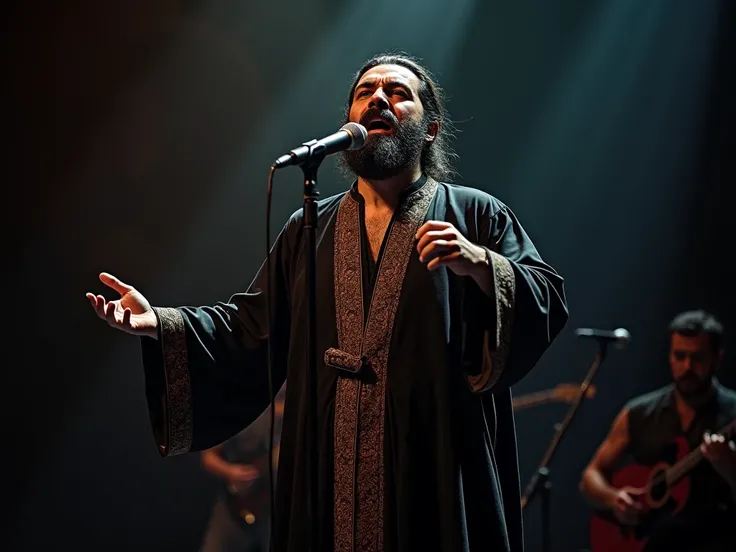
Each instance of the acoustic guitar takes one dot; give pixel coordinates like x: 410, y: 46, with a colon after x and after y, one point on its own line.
x: 564, y: 392
x: 662, y: 490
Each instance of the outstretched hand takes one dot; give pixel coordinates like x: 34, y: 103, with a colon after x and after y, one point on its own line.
x: 131, y: 313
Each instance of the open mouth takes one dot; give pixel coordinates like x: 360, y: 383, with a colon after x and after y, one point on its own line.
x: 378, y: 125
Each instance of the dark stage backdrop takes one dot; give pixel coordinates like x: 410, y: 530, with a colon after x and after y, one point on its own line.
x: 140, y: 139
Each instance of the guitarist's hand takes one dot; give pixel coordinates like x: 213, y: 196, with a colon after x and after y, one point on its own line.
x: 241, y: 476
x: 626, y: 507
x: 722, y: 454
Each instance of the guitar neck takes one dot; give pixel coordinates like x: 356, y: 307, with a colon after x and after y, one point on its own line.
x: 693, y: 458
x: 532, y: 399
x: 681, y: 468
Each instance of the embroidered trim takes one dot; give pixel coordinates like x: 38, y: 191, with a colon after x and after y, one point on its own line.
x: 359, y: 405
x: 349, y: 320
x: 178, y: 398
x: 344, y: 361
x: 496, y: 353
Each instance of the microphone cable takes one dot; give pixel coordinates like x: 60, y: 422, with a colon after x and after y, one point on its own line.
x: 271, y: 395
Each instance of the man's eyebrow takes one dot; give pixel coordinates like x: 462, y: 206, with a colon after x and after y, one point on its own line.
x: 390, y: 83
x: 364, y: 84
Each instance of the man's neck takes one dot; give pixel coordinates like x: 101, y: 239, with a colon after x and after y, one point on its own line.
x: 384, y: 194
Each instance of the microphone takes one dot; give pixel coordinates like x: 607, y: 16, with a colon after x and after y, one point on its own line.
x: 620, y: 336
x: 351, y: 136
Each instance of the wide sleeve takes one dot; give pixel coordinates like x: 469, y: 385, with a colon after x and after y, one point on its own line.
x: 527, y: 310
x: 206, y: 376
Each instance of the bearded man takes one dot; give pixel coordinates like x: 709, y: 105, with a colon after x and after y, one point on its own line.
x: 693, y: 408
x: 432, y: 302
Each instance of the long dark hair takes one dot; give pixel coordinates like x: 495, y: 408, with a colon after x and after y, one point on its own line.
x: 437, y: 156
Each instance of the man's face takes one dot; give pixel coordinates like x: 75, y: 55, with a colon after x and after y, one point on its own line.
x: 693, y: 362
x: 386, y: 102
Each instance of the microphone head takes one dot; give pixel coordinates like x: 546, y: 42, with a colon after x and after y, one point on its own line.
x: 619, y: 337
x: 358, y: 133
x: 622, y: 337
x: 622, y: 334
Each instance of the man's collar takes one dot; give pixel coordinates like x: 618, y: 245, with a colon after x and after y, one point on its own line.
x: 417, y: 185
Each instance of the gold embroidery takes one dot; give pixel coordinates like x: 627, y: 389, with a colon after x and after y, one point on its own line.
x: 178, y: 399
x: 496, y: 347
x: 349, y: 319
x: 343, y: 361
x: 359, y: 405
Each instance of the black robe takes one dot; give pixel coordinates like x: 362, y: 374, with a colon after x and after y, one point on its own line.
x: 433, y: 430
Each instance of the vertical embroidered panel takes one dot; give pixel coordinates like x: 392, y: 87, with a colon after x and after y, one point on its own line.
x: 359, y: 406
x: 349, y: 319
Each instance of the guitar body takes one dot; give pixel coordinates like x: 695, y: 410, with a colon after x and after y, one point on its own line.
x: 659, y: 502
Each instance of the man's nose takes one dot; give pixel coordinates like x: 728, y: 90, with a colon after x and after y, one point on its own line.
x: 379, y: 100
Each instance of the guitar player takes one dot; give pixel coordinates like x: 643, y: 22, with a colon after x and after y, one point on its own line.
x: 239, y: 521
x: 695, y: 406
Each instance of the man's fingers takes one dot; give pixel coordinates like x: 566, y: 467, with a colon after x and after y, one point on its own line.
x: 714, y: 444
x: 111, y: 281
x: 443, y: 260
x: 437, y: 247
x: 110, y: 313
x: 100, y: 306
x: 432, y: 225
x: 97, y: 304
x: 126, y: 317
x: 447, y: 234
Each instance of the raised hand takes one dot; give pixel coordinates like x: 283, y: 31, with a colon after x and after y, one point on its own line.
x: 441, y: 244
x: 131, y: 313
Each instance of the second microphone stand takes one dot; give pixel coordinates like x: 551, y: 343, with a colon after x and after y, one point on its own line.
x: 540, y: 483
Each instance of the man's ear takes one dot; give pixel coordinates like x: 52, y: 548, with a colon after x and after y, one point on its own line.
x: 433, y: 129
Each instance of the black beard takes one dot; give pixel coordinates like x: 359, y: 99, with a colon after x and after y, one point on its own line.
x: 386, y: 155
x: 690, y: 385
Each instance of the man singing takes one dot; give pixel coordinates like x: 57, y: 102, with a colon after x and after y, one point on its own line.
x: 432, y: 302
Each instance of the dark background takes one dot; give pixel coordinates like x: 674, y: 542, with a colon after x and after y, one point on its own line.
x: 139, y: 142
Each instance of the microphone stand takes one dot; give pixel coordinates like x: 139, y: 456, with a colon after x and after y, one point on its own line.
x: 540, y: 483
x: 309, y: 224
